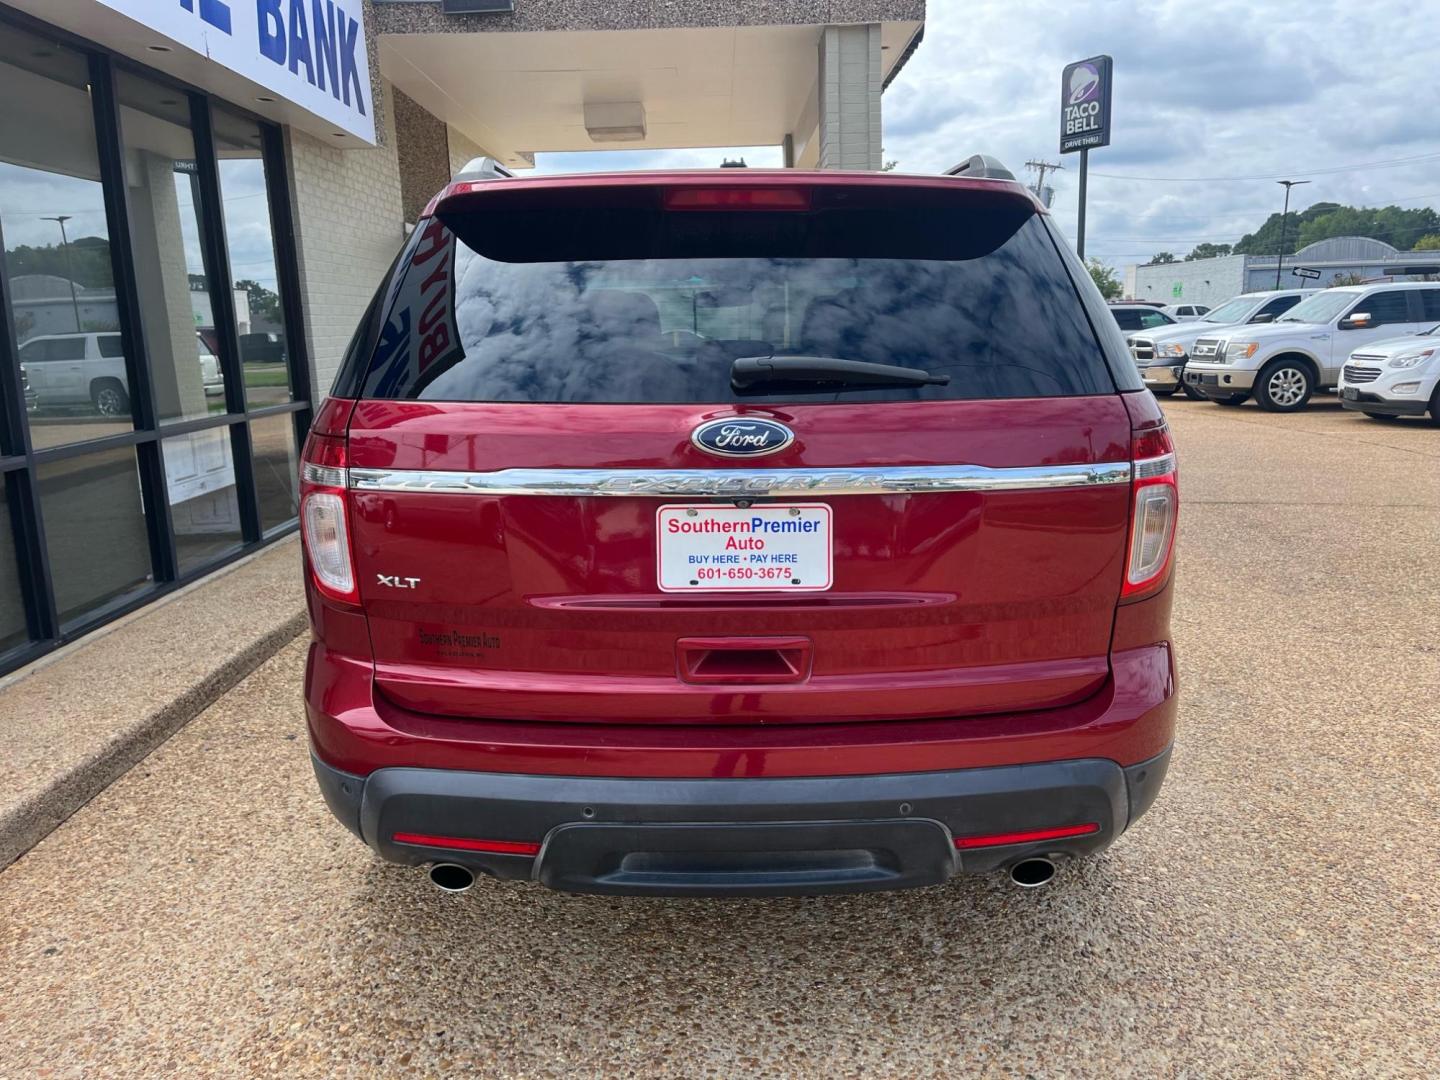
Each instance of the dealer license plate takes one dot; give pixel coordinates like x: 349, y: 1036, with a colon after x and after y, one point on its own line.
x: 726, y: 548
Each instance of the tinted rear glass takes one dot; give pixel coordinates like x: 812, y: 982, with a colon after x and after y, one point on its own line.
x: 635, y: 304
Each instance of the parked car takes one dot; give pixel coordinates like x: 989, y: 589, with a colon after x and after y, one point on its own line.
x: 262, y: 348
x: 1139, y: 316
x: 66, y: 370
x: 1397, y: 377
x: 210, y: 377
x: 1283, y: 364
x: 1161, y: 354
x: 839, y: 590
x: 1185, y: 312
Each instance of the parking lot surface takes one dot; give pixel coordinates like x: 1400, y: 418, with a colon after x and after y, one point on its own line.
x: 1275, y: 914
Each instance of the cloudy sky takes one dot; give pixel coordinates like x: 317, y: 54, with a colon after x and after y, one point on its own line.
x: 1217, y: 91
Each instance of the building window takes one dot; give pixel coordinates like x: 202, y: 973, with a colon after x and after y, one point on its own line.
x: 254, y: 265
x: 95, y: 531
x: 13, y: 629
x: 204, y: 506
x: 166, y: 206
x: 57, y: 245
x: 147, y: 279
x: 277, y: 470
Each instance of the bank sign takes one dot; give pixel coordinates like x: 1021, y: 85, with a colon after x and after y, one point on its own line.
x: 308, y: 52
x: 1085, y: 104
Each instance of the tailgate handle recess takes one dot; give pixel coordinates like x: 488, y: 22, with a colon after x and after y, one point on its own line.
x: 745, y: 661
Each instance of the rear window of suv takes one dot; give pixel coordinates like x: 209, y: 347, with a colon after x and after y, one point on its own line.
x: 632, y: 302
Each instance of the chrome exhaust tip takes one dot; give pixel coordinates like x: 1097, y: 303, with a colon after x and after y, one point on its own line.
x: 451, y: 878
x: 1032, y: 873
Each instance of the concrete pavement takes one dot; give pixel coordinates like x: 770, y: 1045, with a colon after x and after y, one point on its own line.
x: 78, y: 719
x: 1274, y: 914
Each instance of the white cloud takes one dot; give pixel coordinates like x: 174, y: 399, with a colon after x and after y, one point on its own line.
x: 1201, y: 90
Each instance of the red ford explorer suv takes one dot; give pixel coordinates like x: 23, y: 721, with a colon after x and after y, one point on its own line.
x: 739, y: 533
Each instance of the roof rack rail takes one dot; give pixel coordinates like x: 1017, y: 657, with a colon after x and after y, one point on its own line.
x: 982, y: 166
x: 484, y: 168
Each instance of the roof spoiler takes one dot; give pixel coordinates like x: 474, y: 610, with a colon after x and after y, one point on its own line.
x: 982, y: 167
x: 483, y: 168
x: 475, y: 171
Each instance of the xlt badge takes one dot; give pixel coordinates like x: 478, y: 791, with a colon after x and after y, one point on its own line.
x: 396, y: 582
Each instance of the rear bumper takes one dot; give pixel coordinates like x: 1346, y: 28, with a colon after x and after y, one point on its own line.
x: 784, y: 836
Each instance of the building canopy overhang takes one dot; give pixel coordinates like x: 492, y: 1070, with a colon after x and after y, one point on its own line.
x: 516, y: 92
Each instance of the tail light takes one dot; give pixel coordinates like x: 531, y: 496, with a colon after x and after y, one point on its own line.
x: 1156, y: 502
x: 324, y: 518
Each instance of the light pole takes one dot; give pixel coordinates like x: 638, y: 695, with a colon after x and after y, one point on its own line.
x: 69, y: 273
x: 1280, y: 258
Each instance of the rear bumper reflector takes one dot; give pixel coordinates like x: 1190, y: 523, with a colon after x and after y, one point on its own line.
x: 887, y: 480
x: 964, y: 843
x: 461, y: 843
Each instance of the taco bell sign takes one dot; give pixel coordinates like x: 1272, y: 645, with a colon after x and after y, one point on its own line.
x: 1085, y: 104
x: 310, y: 53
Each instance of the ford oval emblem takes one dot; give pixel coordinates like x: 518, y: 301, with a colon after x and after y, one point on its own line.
x: 741, y: 436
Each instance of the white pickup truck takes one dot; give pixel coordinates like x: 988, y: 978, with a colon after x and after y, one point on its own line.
x: 66, y: 370
x: 1283, y: 364
x: 1161, y: 353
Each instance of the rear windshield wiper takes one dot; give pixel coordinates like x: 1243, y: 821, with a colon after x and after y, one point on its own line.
x: 824, y: 372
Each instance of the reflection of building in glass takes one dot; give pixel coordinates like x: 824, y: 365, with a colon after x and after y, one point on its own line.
x: 44, y: 304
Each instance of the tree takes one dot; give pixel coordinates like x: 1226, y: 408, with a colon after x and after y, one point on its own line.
x: 88, y: 259
x: 1266, y: 239
x: 1104, y: 278
x: 1392, y: 224
x: 1161, y: 257
x: 1208, y: 251
x: 1405, y: 230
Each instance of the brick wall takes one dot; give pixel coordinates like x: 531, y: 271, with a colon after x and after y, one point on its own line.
x: 849, y: 97
x: 349, y: 223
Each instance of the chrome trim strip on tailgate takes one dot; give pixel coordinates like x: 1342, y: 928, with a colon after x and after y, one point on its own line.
x: 883, y: 480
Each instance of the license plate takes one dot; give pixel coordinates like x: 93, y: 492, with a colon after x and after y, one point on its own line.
x: 726, y: 548
x: 1351, y: 394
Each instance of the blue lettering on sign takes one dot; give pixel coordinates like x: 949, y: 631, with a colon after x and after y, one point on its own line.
x: 300, y: 41
x: 272, y: 30
x: 214, y: 12
x: 327, y: 43
x: 327, y: 56
x: 350, y: 36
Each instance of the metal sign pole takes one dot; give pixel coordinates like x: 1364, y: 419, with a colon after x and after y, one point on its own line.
x: 1085, y: 88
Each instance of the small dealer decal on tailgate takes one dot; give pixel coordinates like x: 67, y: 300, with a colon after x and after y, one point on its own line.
x: 456, y: 645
